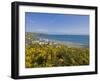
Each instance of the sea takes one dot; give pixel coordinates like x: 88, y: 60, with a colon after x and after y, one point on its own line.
x: 75, y: 39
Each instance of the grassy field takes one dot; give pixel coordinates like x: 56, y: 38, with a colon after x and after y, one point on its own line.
x: 53, y: 55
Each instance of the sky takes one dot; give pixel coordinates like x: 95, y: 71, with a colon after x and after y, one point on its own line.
x: 50, y: 23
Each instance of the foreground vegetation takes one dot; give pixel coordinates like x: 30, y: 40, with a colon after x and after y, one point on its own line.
x: 53, y: 55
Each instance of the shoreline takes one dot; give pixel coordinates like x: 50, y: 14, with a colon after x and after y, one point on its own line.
x: 67, y: 43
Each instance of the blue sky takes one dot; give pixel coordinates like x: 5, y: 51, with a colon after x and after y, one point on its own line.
x: 57, y: 23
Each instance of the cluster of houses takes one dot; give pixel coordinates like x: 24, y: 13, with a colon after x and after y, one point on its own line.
x: 44, y: 41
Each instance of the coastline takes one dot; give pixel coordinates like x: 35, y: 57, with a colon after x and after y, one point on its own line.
x: 41, y: 39
x: 66, y: 43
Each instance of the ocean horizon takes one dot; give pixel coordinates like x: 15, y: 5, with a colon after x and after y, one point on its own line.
x: 76, y: 39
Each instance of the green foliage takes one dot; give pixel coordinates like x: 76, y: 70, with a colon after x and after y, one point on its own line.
x: 49, y: 56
